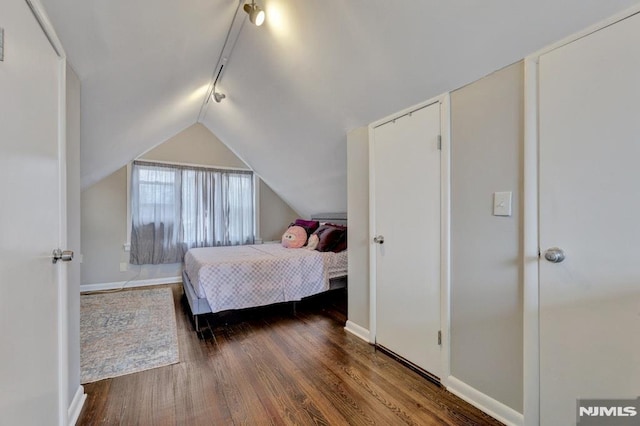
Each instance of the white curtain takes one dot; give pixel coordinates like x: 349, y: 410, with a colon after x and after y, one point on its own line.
x: 175, y: 208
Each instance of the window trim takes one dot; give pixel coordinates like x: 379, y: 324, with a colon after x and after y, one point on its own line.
x: 256, y: 192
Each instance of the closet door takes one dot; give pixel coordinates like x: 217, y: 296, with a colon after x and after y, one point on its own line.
x: 406, y: 182
x: 589, y: 208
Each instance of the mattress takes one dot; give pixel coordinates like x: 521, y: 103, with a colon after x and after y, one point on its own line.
x: 238, y: 277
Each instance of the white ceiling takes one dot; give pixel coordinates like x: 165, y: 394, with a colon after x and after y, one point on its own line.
x: 296, y: 85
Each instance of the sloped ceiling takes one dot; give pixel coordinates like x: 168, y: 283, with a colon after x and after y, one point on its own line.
x: 296, y: 85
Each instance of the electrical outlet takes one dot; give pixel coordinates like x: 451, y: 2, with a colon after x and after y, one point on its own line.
x: 124, y: 266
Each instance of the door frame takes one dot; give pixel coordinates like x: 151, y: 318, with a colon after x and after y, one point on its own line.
x: 531, y: 257
x: 445, y: 228
x: 43, y: 20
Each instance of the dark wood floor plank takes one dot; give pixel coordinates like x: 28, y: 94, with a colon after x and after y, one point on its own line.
x: 438, y: 399
x: 273, y: 380
x: 390, y: 393
x: 198, y: 392
x: 326, y: 406
x: 243, y: 401
x: 97, y: 398
x: 438, y: 403
x: 271, y: 366
x: 332, y: 360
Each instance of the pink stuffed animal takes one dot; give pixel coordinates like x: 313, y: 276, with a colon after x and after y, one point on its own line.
x: 294, y: 237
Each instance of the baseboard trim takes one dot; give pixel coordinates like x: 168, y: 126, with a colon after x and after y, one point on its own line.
x: 129, y: 284
x: 73, y: 413
x: 357, y: 331
x: 494, y: 408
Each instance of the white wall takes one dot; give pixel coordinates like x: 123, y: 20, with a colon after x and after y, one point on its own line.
x: 195, y: 145
x: 358, y: 230
x: 104, y: 210
x: 275, y: 214
x: 73, y: 228
x: 486, y: 250
x: 104, y: 231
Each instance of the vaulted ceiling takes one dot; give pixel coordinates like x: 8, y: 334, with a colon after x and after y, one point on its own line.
x: 296, y: 85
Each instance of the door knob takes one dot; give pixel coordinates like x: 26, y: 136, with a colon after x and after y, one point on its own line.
x: 379, y: 239
x: 65, y: 256
x: 554, y: 255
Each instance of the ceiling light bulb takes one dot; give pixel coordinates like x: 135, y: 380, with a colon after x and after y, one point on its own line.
x: 259, y: 16
x: 256, y: 14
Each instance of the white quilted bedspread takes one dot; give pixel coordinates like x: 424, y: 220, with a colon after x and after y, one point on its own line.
x: 240, y: 277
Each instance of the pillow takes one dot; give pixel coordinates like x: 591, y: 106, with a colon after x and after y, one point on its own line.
x: 294, y: 237
x: 331, y: 237
x: 309, y: 225
x: 341, y: 243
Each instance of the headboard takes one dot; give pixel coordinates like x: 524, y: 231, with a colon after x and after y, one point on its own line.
x: 337, y: 218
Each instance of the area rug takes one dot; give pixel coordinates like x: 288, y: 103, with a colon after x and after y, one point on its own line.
x: 126, y: 332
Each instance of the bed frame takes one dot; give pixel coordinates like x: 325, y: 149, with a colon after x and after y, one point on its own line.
x: 200, y: 305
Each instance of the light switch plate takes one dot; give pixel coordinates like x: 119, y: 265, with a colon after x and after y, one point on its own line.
x: 502, y: 203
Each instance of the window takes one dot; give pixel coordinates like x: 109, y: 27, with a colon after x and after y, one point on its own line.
x: 175, y: 208
x: 156, y: 194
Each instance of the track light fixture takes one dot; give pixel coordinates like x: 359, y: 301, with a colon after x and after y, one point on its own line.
x: 256, y: 14
x: 257, y: 17
x: 217, y: 96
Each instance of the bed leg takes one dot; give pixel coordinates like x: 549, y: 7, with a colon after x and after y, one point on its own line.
x: 295, y: 304
x: 195, y: 319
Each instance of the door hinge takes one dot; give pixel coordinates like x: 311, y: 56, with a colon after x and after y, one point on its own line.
x: 439, y: 337
x: 439, y: 141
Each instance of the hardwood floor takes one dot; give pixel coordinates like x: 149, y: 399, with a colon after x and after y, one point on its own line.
x: 267, y: 366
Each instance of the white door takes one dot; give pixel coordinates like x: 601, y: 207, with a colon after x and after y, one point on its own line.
x: 590, y: 208
x: 30, y: 221
x: 407, y: 215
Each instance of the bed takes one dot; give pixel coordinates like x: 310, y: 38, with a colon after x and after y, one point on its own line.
x: 217, y: 279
